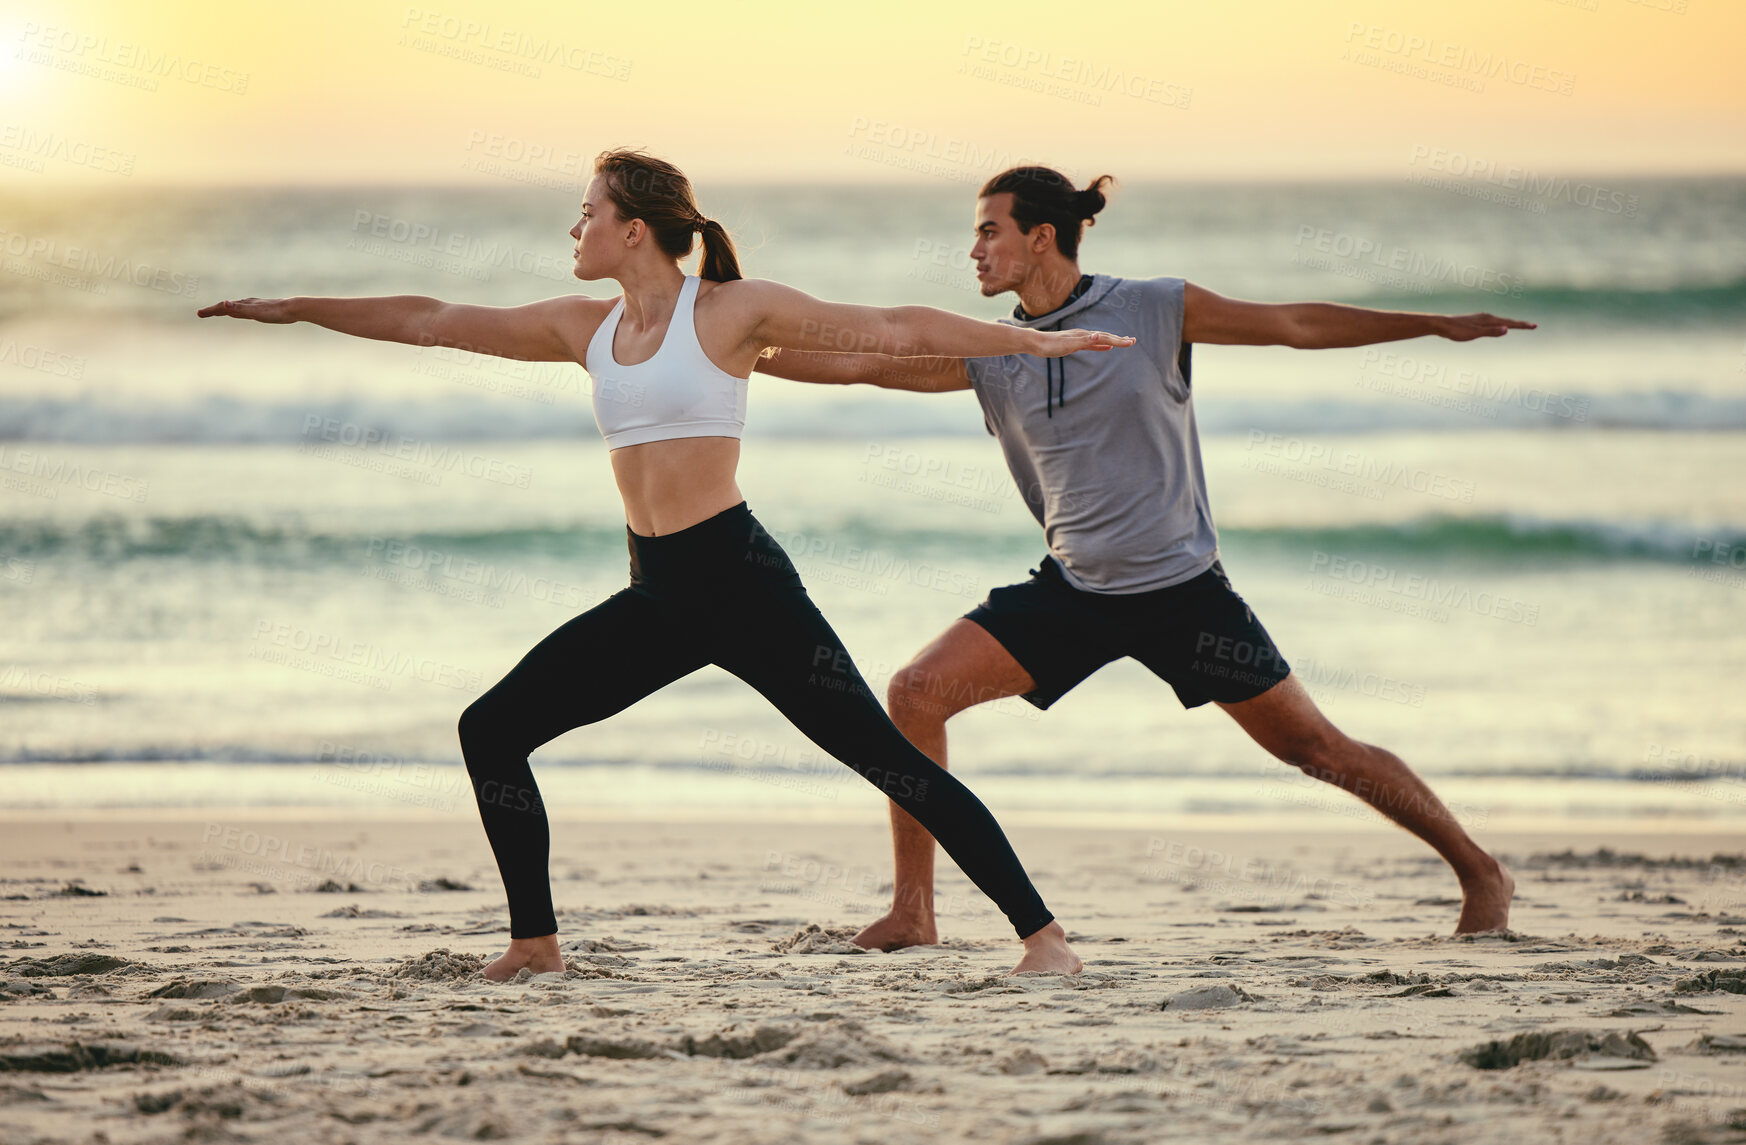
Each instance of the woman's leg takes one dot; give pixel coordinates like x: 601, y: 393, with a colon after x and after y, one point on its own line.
x: 774, y: 638
x: 593, y: 666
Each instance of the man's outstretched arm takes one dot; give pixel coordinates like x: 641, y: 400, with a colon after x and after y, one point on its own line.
x: 931, y: 375
x: 1211, y: 319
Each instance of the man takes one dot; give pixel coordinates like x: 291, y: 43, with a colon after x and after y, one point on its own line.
x: 1106, y: 455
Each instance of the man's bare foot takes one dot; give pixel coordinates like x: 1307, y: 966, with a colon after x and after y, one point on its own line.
x: 1485, y: 901
x: 1047, y: 951
x: 895, y: 931
x: 540, y: 955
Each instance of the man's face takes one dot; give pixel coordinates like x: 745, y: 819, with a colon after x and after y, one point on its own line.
x: 1005, y: 256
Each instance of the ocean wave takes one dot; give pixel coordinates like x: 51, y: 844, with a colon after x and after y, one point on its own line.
x: 233, y: 420
x: 287, y: 539
x: 1505, y: 538
x: 1401, y: 406
x: 1680, y: 303
x: 290, y: 539
x: 1409, y: 406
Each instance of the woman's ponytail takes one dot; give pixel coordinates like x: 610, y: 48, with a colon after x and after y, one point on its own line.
x: 721, y: 263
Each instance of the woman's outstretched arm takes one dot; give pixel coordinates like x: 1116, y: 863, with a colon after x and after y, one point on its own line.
x: 923, y: 375
x: 794, y: 320
x: 537, y: 332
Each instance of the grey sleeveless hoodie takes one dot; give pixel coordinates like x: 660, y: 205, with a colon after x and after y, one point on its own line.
x: 1103, y: 444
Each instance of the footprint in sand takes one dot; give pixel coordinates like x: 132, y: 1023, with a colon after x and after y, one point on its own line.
x: 815, y: 939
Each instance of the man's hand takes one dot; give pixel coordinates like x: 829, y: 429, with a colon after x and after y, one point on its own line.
x: 1467, y: 327
x: 259, y: 309
x: 1060, y: 343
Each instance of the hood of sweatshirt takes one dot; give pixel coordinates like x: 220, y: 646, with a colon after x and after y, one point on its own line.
x: 1055, y: 369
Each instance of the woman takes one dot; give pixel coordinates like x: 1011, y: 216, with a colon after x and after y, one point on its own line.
x: 669, y: 361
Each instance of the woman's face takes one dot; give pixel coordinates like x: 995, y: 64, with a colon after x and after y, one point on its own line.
x: 599, y: 234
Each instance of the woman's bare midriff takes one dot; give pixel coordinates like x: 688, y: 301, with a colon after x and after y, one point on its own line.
x: 672, y: 485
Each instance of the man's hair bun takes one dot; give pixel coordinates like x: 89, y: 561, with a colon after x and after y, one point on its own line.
x: 1091, y: 200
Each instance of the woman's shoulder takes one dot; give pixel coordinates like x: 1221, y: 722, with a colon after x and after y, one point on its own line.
x: 748, y: 298
x: 577, y: 318
x: 739, y: 288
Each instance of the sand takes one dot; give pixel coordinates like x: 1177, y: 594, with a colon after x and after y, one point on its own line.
x: 305, y: 978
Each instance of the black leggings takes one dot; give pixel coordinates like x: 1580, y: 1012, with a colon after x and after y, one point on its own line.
x: 720, y: 592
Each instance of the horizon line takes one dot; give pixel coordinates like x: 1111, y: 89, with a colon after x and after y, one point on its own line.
x: 766, y: 182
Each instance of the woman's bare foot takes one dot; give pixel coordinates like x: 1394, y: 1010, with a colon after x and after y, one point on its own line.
x: 896, y: 931
x: 1485, y: 900
x: 1047, y: 951
x: 537, y: 954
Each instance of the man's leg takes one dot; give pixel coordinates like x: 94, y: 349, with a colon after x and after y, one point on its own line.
x: 963, y: 667
x: 1285, y: 721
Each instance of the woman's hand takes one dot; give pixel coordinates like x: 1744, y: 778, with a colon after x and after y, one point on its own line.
x: 1467, y: 327
x: 1060, y: 343
x: 259, y: 309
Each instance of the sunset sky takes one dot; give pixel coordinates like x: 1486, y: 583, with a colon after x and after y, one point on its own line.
x: 324, y: 91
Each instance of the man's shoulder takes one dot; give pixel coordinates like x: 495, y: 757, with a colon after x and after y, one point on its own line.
x: 1155, y: 285
x: 1156, y: 293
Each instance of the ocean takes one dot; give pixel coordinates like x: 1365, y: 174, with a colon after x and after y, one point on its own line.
x: 244, y: 565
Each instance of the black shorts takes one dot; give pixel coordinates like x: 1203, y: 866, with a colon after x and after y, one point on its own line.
x: 1198, y: 636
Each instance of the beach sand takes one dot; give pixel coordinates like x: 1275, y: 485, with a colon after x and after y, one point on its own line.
x: 312, y: 977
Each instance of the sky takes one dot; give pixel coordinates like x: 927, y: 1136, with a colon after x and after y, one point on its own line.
x: 459, y: 91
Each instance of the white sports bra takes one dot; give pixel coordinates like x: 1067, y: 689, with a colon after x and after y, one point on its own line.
x: 678, y: 392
